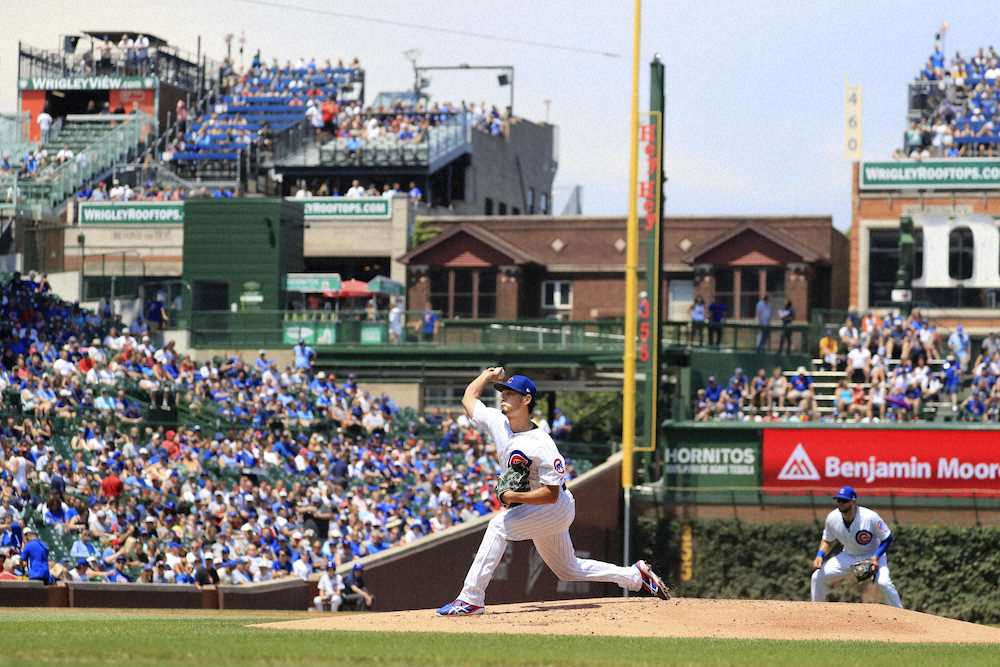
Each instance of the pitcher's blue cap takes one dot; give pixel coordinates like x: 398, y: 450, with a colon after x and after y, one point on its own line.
x: 522, y: 384
x: 846, y: 493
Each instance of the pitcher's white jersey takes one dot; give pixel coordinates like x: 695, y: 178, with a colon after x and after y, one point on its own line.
x: 547, y: 465
x: 862, y: 536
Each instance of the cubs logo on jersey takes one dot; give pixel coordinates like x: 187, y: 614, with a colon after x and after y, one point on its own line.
x: 518, y: 459
x: 863, y: 537
x: 558, y: 465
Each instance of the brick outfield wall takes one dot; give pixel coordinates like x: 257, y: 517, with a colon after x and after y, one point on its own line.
x: 422, y: 576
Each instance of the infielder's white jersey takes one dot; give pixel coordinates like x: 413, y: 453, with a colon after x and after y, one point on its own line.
x: 862, y: 536
x: 547, y: 465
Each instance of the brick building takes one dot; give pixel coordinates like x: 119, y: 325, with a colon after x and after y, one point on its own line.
x: 573, y: 267
x: 955, y: 207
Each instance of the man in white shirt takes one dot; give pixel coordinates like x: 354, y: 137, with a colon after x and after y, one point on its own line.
x: 356, y: 190
x: 864, y: 536
x: 543, y: 513
x: 859, y: 361
x: 44, y: 121
x: 330, y: 587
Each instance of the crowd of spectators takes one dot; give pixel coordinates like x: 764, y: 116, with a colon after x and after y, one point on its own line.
x: 877, y: 367
x: 963, y: 99
x: 299, y: 471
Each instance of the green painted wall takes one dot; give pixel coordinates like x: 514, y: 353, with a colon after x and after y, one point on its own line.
x: 236, y: 241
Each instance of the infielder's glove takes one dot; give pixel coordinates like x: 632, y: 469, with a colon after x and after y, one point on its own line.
x: 864, y: 570
x: 515, y: 478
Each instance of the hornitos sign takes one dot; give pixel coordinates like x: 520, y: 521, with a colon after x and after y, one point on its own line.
x: 954, y: 174
x: 129, y: 213
x: 347, y: 208
x: 711, y: 460
x: 87, y: 83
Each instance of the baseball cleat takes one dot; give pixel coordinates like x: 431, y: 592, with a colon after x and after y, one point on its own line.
x: 651, y: 581
x: 460, y: 608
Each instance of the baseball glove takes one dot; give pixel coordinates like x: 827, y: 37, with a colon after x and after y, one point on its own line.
x: 864, y: 570
x: 515, y: 478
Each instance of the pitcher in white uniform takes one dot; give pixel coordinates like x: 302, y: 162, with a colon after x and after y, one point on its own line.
x: 542, y: 514
x: 864, y: 536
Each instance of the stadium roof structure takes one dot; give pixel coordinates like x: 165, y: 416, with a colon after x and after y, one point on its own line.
x: 116, y: 35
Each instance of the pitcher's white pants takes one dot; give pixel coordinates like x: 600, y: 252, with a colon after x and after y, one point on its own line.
x: 548, y: 527
x: 839, y: 567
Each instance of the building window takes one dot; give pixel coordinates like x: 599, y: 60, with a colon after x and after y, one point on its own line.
x: 543, y: 203
x: 515, y: 210
x: 502, y: 208
x: 489, y: 206
x: 531, y: 200
x: 774, y: 286
x: 439, y: 291
x: 960, y: 253
x: 749, y: 291
x: 464, y: 303
x: 557, y: 294
x: 724, y: 289
x: 918, y: 253
x: 487, y: 304
x: 465, y: 293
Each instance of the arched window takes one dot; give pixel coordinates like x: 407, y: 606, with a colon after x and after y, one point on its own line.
x: 960, y: 253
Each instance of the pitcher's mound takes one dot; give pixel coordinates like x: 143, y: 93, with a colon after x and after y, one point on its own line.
x: 686, y: 617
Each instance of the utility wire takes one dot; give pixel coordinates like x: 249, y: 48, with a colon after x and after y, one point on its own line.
x: 432, y: 28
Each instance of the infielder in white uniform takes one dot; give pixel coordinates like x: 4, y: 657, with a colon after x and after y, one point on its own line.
x: 864, y: 536
x: 544, y: 513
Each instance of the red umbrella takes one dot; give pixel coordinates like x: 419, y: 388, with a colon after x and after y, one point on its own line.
x: 353, y: 289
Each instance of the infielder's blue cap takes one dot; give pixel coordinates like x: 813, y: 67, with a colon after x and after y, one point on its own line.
x: 522, y: 384
x: 846, y: 493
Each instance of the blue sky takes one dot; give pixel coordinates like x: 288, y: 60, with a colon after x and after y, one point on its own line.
x: 754, y: 89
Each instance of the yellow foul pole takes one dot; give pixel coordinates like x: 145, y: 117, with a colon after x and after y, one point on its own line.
x: 631, y: 294
x: 631, y: 265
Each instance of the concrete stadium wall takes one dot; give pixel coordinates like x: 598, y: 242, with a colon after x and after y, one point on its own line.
x: 431, y: 572
x: 286, y: 594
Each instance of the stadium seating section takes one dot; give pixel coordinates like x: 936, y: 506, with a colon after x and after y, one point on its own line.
x: 162, y: 458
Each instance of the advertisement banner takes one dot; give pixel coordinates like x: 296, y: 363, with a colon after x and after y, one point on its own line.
x: 952, y: 462
x: 706, y: 465
x: 87, y: 83
x: 931, y: 174
x: 346, y: 208
x: 312, y: 282
x: 311, y: 333
x: 129, y: 213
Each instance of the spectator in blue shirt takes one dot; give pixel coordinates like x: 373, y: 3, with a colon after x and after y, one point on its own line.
x: 713, y: 392
x: 800, y: 392
x: 428, y: 324
x: 36, y: 554
x: 303, y: 355
x: 716, y: 318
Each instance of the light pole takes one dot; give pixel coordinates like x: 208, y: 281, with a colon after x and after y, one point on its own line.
x: 82, y: 241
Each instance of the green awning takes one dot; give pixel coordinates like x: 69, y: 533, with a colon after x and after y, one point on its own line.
x: 383, y: 285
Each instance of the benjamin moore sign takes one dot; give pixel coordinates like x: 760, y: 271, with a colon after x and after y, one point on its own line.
x: 955, y: 174
x: 87, y: 83
x: 347, y: 208
x: 127, y: 213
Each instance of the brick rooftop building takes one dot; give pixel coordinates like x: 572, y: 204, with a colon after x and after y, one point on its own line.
x: 572, y: 267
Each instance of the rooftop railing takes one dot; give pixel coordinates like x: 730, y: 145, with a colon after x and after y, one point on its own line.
x: 331, y: 328
x: 46, y: 190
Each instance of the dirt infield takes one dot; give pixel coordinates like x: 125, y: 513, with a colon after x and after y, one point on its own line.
x: 647, y: 617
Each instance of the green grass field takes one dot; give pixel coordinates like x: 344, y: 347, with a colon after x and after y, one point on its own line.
x: 195, y: 639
